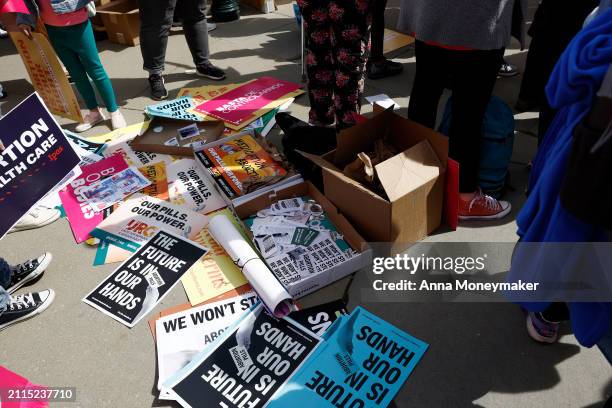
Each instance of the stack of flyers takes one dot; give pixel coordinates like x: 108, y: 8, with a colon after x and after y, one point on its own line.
x: 109, y: 191
x: 296, y: 238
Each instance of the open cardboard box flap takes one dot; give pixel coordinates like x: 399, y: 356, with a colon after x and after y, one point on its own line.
x: 409, y: 170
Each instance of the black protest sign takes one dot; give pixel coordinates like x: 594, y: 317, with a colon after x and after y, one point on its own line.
x: 248, y: 366
x: 142, y: 281
x: 319, y: 318
x: 34, y: 158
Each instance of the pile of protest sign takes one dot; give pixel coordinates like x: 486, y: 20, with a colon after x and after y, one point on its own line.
x: 242, y: 340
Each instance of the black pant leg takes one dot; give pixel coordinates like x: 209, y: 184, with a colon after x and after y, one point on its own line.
x: 377, y: 30
x: 155, y: 22
x: 193, y: 13
x: 473, y: 77
x: 428, y: 85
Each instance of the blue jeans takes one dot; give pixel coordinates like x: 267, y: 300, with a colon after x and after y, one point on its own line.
x: 5, y: 280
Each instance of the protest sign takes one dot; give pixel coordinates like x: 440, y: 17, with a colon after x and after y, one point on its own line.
x: 181, y: 336
x: 246, y: 366
x: 189, y: 186
x: 121, y: 145
x: 90, y: 146
x: 319, y: 318
x: 13, y: 6
x: 216, y: 273
x: 35, y: 158
x: 128, y: 132
x: 237, y: 105
x: 81, y: 216
x: 107, y: 192
x: 175, y: 109
x: 141, y: 216
x: 143, y: 280
x: 47, y: 75
x: 363, y: 362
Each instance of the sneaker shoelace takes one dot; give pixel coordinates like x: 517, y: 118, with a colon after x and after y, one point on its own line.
x: 22, y: 302
x: 27, y: 265
x: 488, y: 201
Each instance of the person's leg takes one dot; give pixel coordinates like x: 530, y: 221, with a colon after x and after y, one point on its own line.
x: 5, y: 280
x: 62, y: 39
x: 155, y: 22
x: 85, y: 45
x: 429, y: 82
x: 378, y: 66
x: 377, y: 30
x: 319, y: 61
x: 349, y: 44
x: 473, y: 78
x: 194, y: 27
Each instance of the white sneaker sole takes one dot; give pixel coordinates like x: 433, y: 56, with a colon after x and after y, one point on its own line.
x: 497, y: 216
x: 34, y: 274
x: 45, y: 305
x: 41, y: 224
x: 84, y: 127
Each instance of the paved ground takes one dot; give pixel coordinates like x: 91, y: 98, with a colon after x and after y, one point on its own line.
x: 480, y: 355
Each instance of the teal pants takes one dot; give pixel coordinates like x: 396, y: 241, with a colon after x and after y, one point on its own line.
x: 76, y: 48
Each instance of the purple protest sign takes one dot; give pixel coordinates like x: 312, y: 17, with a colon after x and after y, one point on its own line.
x: 35, y: 156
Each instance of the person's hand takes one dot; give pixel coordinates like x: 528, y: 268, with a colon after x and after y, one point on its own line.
x: 26, y: 29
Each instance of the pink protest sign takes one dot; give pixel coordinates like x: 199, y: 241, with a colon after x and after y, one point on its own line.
x: 81, y: 216
x: 239, y: 104
x: 15, y: 391
x: 13, y: 6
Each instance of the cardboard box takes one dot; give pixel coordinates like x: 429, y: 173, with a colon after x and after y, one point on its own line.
x: 292, y: 177
x: 363, y: 253
x: 121, y: 19
x: 413, y: 180
x: 96, y: 20
x: 161, y: 130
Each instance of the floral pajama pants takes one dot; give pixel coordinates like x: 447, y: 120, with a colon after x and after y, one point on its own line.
x: 337, y: 34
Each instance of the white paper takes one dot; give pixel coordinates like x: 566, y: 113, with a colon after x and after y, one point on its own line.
x: 273, y: 295
x: 189, y: 186
x: 382, y: 100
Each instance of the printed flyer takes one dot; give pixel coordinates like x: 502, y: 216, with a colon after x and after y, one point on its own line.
x: 181, y: 336
x: 142, y: 281
x: 121, y: 145
x: 216, y: 273
x: 107, y: 192
x: 189, y: 186
x: 83, y: 219
x: 247, y: 366
x: 175, y: 109
x: 363, y: 362
x: 236, y: 105
x: 35, y: 158
x: 320, y: 318
x: 141, y: 216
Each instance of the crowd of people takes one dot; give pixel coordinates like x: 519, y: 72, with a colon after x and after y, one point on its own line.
x: 456, y: 48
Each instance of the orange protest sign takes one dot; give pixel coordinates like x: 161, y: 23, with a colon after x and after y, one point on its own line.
x: 47, y: 75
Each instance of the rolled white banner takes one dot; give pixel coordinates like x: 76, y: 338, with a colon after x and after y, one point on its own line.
x: 273, y: 295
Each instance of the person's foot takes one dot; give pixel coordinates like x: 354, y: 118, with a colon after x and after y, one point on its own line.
x: 36, y: 218
x: 117, y: 120
x: 3, y: 33
x: 540, y: 329
x: 384, y: 68
x: 91, y: 119
x: 25, y: 306
x: 507, y: 70
x: 208, y: 70
x: 28, y: 271
x: 158, y: 87
x: 482, y: 207
x: 210, y: 26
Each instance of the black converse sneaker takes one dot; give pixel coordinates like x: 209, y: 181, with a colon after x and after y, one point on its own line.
x: 158, y: 87
x: 28, y: 271
x: 208, y: 70
x: 25, y: 306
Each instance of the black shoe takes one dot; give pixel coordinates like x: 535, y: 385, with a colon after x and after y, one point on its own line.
x: 507, y: 70
x: 158, y: 89
x: 383, y: 69
x: 25, y: 306
x: 28, y: 271
x: 208, y: 70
